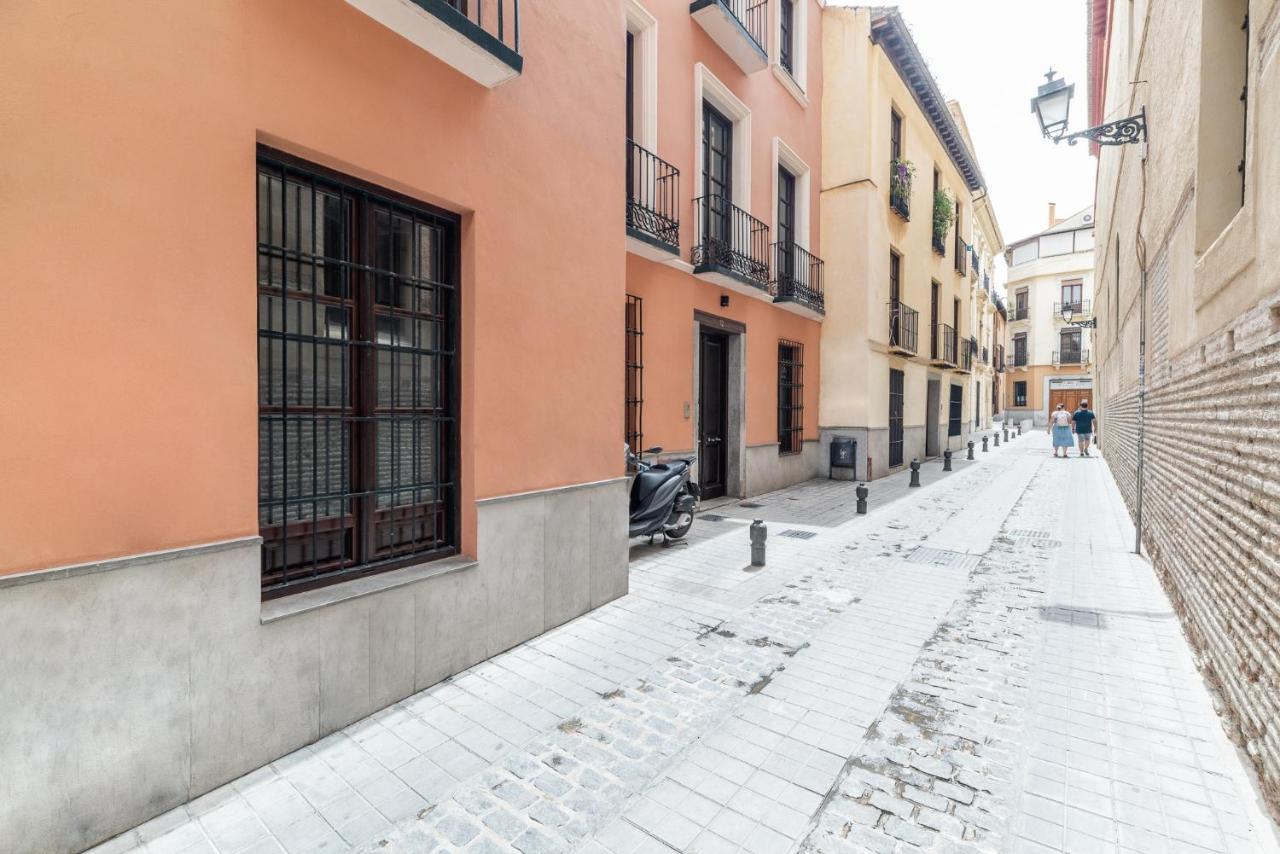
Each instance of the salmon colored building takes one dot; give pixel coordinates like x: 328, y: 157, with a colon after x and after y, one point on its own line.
x: 724, y: 273
x: 312, y: 376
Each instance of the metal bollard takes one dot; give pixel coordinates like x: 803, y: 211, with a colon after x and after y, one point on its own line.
x: 759, y: 533
x: 970, y: 450
x: 984, y: 444
x: 862, y: 492
x: 1006, y: 432
x: 996, y: 439
x: 946, y: 460
x: 1019, y: 428
x: 915, y: 473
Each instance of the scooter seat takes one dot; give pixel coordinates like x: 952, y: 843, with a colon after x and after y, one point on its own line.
x: 647, y: 482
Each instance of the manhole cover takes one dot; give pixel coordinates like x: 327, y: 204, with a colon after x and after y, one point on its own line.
x: 799, y: 535
x: 711, y: 517
x: 943, y: 557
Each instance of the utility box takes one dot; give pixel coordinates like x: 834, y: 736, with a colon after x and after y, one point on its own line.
x: 844, y: 455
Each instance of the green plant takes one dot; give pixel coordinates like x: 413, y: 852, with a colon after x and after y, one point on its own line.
x: 901, y: 172
x: 944, y: 213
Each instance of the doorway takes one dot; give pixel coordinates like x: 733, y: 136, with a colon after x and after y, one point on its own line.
x: 1069, y: 398
x: 713, y: 412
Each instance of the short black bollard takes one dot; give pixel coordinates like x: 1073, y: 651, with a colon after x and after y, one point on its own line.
x: 970, y: 451
x: 1006, y: 432
x: 946, y: 460
x: 984, y: 444
x: 862, y: 492
x: 915, y: 473
x: 758, y: 535
x: 1019, y: 428
x: 996, y: 439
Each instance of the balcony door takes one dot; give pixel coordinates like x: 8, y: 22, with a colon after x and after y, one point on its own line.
x: 717, y: 173
x: 933, y: 320
x: 1073, y: 295
x: 786, y: 225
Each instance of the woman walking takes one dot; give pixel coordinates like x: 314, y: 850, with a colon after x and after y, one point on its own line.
x: 1061, y: 428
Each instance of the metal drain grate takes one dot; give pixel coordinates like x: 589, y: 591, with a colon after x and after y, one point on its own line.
x: 1039, y: 538
x: 943, y: 557
x: 711, y: 517
x: 749, y: 504
x: 1073, y: 616
x: 799, y: 535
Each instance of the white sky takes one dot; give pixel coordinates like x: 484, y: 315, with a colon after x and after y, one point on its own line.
x: 990, y: 55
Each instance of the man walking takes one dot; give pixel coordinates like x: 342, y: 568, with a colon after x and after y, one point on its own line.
x: 1083, y: 420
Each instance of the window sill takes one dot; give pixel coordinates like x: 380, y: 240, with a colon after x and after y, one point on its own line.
x: 789, y: 83
x: 311, y: 600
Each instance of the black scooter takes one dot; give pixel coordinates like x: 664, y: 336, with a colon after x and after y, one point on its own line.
x: 663, y: 498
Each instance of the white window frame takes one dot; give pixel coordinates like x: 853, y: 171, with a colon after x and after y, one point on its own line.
x: 785, y: 156
x: 707, y: 87
x: 797, y: 82
x: 643, y: 28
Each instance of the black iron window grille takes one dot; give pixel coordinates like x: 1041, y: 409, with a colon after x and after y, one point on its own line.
x: 956, y: 413
x: 653, y: 196
x: 903, y: 326
x: 732, y: 239
x: 790, y: 397
x: 357, y: 371
x: 799, y: 277
x: 635, y: 374
x: 897, y: 382
x: 1020, y: 393
x: 786, y: 36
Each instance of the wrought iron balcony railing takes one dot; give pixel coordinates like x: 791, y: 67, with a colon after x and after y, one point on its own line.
x: 900, y: 192
x: 944, y: 345
x: 1019, y: 312
x: 798, y: 277
x: 730, y: 240
x: 966, y: 360
x: 1071, y: 357
x: 653, y: 198
x: 1019, y: 359
x: 962, y: 256
x: 904, y: 324
x: 940, y: 243
x: 1080, y: 308
x: 480, y: 38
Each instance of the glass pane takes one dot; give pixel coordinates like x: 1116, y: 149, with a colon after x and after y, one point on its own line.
x: 314, y: 453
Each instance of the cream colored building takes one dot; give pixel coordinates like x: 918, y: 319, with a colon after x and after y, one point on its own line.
x: 986, y: 242
x: 1188, y: 232
x: 1049, y: 359
x: 896, y: 372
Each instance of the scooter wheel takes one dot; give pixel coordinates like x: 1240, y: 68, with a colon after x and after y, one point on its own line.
x: 682, y: 526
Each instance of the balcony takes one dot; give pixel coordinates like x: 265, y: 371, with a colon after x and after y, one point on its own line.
x: 904, y: 322
x: 1019, y: 312
x: 944, y: 346
x: 900, y: 189
x: 738, y: 27
x: 1081, y: 309
x: 986, y: 356
x: 961, y: 256
x: 940, y: 244
x: 480, y: 38
x: 1071, y: 357
x: 797, y: 282
x: 965, y: 365
x: 653, y: 197
x: 1019, y: 359
x: 999, y: 358
x: 731, y: 247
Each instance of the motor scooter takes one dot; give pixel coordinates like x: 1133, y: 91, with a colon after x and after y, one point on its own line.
x: 663, y: 498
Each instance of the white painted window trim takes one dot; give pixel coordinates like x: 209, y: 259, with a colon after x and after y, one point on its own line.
x: 706, y: 87
x: 644, y: 30
x: 795, y: 83
x: 785, y: 156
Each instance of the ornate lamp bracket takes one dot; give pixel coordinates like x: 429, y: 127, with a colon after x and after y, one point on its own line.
x: 1119, y: 132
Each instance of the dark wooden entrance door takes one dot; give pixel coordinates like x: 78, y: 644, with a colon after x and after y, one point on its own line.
x: 713, y: 411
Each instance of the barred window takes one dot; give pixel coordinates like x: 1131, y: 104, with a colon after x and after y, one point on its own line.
x: 357, y: 417
x: 956, y: 413
x: 1020, y: 393
x: 635, y: 374
x: 790, y: 397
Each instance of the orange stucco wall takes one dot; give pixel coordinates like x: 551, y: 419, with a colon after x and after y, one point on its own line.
x: 128, y: 132
x: 670, y: 294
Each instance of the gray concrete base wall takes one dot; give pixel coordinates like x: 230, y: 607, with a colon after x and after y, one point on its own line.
x: 132, y: 686
x: 766, y: 470
x: 873, y: 443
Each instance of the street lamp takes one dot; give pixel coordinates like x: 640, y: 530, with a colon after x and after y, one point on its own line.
x: 1068, y: 317
x: 1052, y: 105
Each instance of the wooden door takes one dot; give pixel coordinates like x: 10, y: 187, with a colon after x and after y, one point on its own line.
x: 713, y: 410
x: 1069, y: 398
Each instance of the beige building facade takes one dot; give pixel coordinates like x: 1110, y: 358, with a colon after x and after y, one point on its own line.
x: 1188, y: 229
x: 895, y: 352
x: 1049, y: 358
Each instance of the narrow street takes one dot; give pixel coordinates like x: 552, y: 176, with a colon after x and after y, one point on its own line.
x: 976, y: 665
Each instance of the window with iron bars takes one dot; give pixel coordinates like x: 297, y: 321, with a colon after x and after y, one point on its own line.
x: 357, y: 371
x: 790, y: 397
x: 635, y: 374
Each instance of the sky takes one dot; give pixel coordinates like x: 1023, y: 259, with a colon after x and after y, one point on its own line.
x: 990, y: 55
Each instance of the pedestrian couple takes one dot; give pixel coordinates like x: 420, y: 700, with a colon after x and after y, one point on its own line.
x: 1062, y: 424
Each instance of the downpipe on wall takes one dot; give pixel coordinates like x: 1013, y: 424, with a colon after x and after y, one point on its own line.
x: 1140, y: 250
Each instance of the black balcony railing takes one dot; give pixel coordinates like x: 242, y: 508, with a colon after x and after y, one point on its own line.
x: 900, y: 191
x: 798, y: 277
x: 962, y: 256
x: 945, y: 345
x: 966, y: 360
x: 904, y: 322
x: 1019, y: 358
x: 940, y: 243
x: 495, y: 19
x: 730, y: 240
x: 1071, y: 357
x: 1080, y: 306
x: 999, y: 355
x: 653, y: 198
x: 752, y: 15
x: 1019, y: 312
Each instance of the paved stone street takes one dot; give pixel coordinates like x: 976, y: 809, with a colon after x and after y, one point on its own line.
x: 977, y: 665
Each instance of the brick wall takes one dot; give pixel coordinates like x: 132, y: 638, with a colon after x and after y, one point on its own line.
x: 1211, y: 506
